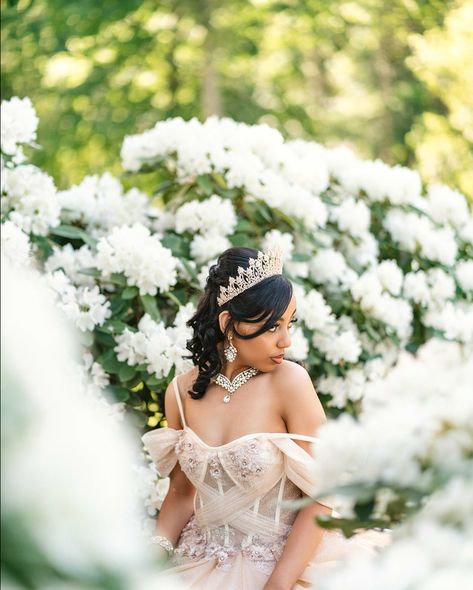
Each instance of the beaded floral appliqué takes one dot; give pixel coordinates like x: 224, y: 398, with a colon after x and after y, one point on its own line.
x: 190, y: 459
x: 195, y: 545
x: 250, y: 460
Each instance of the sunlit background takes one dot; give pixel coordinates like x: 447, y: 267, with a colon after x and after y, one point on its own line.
x: 395, y: 84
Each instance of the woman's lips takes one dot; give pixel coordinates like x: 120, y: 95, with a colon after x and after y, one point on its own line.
x: 277, y: 359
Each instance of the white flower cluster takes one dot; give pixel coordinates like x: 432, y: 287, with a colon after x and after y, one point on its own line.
x: 299, y: 349
x: 80, y: 482
x: 213, y: 219
x: 72, y: 262
x: 287, y: 244
x: 422, y: 413
x: 16, y: 246
x: 464, y: 275
x: 434, y: 290
x: 431, y: 553
x: 417, y: 234
x: 253, y: 158
x: 313, y: 310
x: 134, y: 251
x: 431, y: 288
x: 342, y: 389
x: 447, y: 206
x: 351, y: 216
x: 455, y: 321
x: 99, y: 204
x: 330, y: 268
x: 85, y: 306
x: 377, y: 292
x: 159, y: 347
x: 377, y: 180
x: 18, y: 126
x: 29, y: 198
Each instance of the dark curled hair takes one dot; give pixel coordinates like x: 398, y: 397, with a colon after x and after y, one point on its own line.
x: 267, y: 300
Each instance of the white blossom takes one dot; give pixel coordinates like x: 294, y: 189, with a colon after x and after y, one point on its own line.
x: 329, y: 266
x: 313, y: 310
x: 30, y: 199
x: 214, y: 215
x: 464, y: 275
x: 142, y: 258
x: 99, y: 204
x: 340, y: 347
x: 299, y: 349
x: 390, y: 276
x: 72, y: 262
x: 274, y: 239
x: 206, y: 247
x: 352, y: 216
x: 416, y: 233
x: 16, y: 246
x: 446, y: 205
x: 18, y: 124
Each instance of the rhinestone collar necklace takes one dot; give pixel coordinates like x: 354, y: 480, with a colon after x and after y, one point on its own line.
x: 238, y: 381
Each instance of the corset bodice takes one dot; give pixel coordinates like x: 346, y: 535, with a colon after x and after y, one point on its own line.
x: 240, y: 487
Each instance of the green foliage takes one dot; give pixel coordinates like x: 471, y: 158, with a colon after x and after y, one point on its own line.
x: 331, y: 71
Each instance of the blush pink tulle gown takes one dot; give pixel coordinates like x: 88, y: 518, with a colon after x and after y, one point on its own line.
x: 238, y: 530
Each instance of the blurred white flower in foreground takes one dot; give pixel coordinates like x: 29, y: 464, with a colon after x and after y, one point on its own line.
x: 67, y: 465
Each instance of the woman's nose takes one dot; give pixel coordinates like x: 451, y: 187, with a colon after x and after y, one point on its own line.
x: 285, y: 341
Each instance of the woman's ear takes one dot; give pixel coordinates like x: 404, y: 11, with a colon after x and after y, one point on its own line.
x: 223, y: 319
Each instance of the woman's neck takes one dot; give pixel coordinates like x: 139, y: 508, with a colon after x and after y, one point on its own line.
x: 231, y: 370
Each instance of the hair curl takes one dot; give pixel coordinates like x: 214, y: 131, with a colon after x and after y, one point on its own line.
x: 267, y: 300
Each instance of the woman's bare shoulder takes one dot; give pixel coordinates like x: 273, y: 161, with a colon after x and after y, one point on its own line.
x: 185, y: 380
x: 290, y: 372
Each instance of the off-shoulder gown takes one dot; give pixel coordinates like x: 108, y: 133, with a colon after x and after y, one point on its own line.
x: 238, y: 529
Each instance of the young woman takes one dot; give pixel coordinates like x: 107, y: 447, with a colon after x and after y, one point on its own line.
x: 241, y: 425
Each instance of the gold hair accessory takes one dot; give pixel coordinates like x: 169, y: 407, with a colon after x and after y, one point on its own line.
x: 267, y: 264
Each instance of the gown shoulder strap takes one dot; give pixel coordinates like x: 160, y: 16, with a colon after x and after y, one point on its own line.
x: 179, y: 400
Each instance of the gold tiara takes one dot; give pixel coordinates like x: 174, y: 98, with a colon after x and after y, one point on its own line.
x: 267, y: 264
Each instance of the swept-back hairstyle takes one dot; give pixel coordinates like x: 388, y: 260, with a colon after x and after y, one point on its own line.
x: 267, y: 300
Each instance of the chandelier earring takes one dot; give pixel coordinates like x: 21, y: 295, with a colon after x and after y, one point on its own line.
x: 230, y: 352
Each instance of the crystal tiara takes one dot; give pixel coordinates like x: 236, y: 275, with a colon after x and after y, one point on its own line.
x: 267, y: 264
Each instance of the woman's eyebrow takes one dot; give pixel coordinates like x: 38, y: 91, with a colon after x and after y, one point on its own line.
x: 281, y: 318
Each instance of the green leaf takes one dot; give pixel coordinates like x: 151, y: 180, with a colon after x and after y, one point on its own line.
x: 152, y: 381
x: 301, y: 257
x: 73, y: 233
x: 363, y: 510
x: 150, y: 306
x: 118, y: 278
x: 109, y: 361
x: 206, y: 184
x: 91, y: 272
x: 114, y: 327
x: 173, y: 298
x: 163, y: 187
x: 126, y: 372
x: 177, y: 244
x: 121, y: 394
x: 129, y: 293
x: 243, y: 226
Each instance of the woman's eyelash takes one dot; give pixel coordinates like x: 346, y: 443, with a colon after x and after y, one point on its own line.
x: 293, y: 321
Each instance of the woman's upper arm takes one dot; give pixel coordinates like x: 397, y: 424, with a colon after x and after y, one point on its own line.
x: 302, y: 410
x: 178, y: 479
x: 171, y: 410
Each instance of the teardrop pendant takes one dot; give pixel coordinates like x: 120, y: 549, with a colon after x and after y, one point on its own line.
x: 238, y: 381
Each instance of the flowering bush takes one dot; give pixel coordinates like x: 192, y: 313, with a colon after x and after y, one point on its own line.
x: 377, y: 265
x: 407, y: 464
x: 61, y: 435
